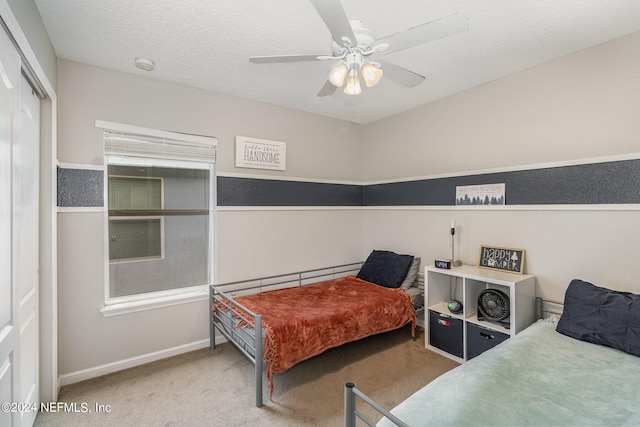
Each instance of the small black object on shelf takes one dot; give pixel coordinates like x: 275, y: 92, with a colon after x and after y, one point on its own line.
x: 446, y: 264
x: 493, y: 306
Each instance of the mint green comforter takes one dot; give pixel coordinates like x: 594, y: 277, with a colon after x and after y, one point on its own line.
x: 537, y: 378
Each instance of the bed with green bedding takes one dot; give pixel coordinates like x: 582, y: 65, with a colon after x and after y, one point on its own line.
x: 581, y: 369
x: 537, y: 378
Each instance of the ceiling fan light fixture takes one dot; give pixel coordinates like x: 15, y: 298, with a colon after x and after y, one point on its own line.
x: 353, y: 83
x: 371, y: 74
x: 338, y: 73
x: 352, y: 44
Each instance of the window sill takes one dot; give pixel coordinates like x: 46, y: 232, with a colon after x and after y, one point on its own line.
x: 194, y: 294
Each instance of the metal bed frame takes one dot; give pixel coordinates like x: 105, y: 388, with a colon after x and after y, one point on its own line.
x: 249, y: 340
x: 544, y: 308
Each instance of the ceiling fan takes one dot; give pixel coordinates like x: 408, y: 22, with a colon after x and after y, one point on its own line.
x: 353, y: 45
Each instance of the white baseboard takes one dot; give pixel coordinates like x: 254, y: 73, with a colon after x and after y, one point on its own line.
x: 109, y: 368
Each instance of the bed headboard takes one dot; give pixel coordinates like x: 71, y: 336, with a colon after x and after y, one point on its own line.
x: 546, y: 308
x: 300, y: 278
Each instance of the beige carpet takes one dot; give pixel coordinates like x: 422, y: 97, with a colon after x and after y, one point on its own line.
x: 216, y: 388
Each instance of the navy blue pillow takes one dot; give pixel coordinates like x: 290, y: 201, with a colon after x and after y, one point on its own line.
x: 601, y: 316
x: 385, y: 268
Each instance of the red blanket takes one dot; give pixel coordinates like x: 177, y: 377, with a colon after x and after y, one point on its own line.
x: 304, y: 321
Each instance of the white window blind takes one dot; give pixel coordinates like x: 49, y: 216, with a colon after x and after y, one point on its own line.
x: 122, y: 140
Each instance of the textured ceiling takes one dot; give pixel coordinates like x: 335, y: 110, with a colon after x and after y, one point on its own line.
x: 207, y: 44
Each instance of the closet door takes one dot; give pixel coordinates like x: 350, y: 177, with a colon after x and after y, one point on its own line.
x: 26, y: 260
x: 9, y: 328
x: 19, y: 213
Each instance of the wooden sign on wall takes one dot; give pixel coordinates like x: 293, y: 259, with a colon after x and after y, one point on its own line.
x: 260, y: 153
x: 503, y: 259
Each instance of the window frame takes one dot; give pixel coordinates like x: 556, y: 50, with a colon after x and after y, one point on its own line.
x: 151, y: 300
x: 155, y: 299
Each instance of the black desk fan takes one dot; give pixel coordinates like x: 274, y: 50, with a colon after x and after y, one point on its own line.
x: 493, y: 305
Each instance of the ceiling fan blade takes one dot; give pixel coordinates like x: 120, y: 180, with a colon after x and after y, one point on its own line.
x: 401, y: 75
x: 327, y: 89
x: 424, y: 33
x: 284, y: 58
x: 335, y: 18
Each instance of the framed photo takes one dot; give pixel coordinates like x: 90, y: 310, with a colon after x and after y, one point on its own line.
x: 502, y: 259
x: 485, y: 194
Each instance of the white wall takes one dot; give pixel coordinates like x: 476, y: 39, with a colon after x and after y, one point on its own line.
x: 274, y: 242
x: 597, y: 246
x: 582, y: 106
x: 28, y: 16
x: 317, y: 147
x: 249, y: 243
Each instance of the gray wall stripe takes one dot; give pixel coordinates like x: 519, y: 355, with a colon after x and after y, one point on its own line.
x: 80, y: 187
x: 616, y: 182
x: 264, y: 192
x: 598, y: 183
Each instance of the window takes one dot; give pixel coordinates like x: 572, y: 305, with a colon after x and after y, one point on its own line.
x: 160, y: 198
x: 135, y: 239
x: 132, y: 237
